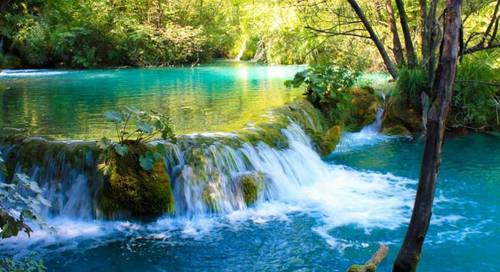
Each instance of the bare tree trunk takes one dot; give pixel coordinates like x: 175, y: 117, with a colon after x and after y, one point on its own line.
x: 409, y: 253
x: 410, y: 50
x: 387, y: 60
x: 397, y: 49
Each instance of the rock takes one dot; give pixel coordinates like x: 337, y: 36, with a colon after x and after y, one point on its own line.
x: 251, y: 186
x: 396, y: 130
x: 131, y: 191
x: 395, y: 114
x: 365, y: 104
x: 330, y: 140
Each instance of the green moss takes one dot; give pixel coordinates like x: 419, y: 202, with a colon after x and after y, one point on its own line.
x: 397, y: 113
x: 330, y: 140
x: 363, y: 111
x: 397, y: 130
x: 362, y: 268
x: 132, y: 191
x: 251, y: 186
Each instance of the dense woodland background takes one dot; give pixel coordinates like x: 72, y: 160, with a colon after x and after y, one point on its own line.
x: 404, y: 40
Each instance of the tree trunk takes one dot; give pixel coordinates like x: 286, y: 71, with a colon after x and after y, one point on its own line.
x: 397, y: 49
x: 410, y: 50
x: 387, y: 60
x: 409, y: 253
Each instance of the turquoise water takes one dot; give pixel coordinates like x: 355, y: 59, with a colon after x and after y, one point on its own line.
x: 324, y: 215
x: 363, y: 200
x: 71, y: 104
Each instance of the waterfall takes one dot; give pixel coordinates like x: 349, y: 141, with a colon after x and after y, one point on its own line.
x: 243, y: 48
x: 295, y: 180
x: 374, y: 128
x: 206, y: 170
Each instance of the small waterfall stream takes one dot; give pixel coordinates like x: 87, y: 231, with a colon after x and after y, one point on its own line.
x: 296, y: 179
x: 243, y: 48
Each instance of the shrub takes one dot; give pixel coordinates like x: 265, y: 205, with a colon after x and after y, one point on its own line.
x: 327, y: 87
x: 410, y: 84
x: 476, y: 100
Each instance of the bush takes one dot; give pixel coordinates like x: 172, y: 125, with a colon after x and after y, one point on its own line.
x: 327, y: 87
x: 410, y: 84
x: 32, y: 43
x: 476, y: 101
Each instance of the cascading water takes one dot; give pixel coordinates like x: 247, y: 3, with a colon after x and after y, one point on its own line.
x: 296, y: 179
x: 243, y: 48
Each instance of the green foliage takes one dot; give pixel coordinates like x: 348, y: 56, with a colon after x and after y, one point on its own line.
x: 20, y: 201
x: 476, y: 99
x: 135, y: 127
x: 410, y: 84
x: 28, y: 264
x: 327, y: 86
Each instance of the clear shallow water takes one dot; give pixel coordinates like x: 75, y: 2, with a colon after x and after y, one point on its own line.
x: 336, y: 216
x: 71, y: 104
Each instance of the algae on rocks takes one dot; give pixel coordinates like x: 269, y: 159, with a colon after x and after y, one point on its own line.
x: 251, y: 186
x: 129, y: 190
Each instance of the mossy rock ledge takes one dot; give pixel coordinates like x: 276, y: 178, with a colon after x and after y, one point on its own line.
x: 130, y: 191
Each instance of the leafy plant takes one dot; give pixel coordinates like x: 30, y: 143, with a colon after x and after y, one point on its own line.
x: 476, y: 99
x: 135, y: 127
x: 28, y: 264
x: 20, y: 200
x: 411, y: 83
x: 327, y: 87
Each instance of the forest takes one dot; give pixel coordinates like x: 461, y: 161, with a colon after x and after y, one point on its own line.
x: 282, y: 135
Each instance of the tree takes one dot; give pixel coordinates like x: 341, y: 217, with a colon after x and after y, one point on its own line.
x: 409, y: 253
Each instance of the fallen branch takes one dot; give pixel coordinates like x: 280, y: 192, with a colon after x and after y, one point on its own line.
x: 371, y: 265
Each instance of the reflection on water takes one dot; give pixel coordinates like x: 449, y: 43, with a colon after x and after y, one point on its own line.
x: 71, y: 104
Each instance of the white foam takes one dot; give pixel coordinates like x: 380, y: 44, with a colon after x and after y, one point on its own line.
x: 30, y: 73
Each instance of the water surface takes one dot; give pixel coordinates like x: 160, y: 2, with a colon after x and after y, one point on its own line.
x: 334, y: 213
x: 70, y: 104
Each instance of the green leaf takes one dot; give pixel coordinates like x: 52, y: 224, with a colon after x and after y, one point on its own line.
x: 147, y: 161
x: 114, y: 116
x: 121, y: 150
x: 9, y: 229
x: 144, y: 127
x: 104, y: 143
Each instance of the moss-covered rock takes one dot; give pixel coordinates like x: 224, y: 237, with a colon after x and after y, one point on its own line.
x: 330, y: 140
x: 396, y: 130
x: 398, y: 115
x: 365, y: 104
x: 129, y: 190
x: 251, y: 186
